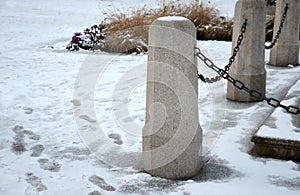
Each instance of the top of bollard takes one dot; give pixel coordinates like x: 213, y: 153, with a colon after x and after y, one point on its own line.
x: 172, y: 18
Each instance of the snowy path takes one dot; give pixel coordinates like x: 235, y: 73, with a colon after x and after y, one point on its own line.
x: 41, y: 151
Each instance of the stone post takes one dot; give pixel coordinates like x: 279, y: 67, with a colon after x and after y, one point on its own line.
x: 249, y: 65
x: 286, y: 50
x: 172, y: 136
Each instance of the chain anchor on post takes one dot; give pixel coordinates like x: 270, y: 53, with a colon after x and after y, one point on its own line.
x: 277, y: 36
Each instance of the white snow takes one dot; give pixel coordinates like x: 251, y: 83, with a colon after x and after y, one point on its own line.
x: 226, y: 8
x: 283, y: 126
x: 51, y: 97
x: 172, y: 18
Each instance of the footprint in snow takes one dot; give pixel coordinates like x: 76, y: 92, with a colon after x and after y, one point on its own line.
x: 49, y: 166
x: 94, y: 193
x: 37, y: 150
x: 19, y: 131
x: 28, y: 110
x: 32, y: 135
x: 18, y: 145
x: 35, y: 182
x: 116, y: 137
x: 87, y: 118
x: 100, y: 182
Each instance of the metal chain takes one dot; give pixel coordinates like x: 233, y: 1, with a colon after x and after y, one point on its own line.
x: 279, y: 29
x: 240, y: 85
x: 237, y: 47
x: 231, y: 59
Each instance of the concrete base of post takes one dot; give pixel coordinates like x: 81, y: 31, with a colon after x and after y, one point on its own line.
x: 286, y: 50
x: 249, y: 65
x: 172, y: 136
x: 255, y: 82
x: 284, y: 55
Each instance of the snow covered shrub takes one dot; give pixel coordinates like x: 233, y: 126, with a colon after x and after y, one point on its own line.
x: 127, y: 41
x: 91, y: 38
x: 220, y: 29
x: 271, y: 2
x: 127, y: 33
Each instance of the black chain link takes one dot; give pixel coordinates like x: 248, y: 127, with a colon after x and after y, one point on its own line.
x: 238, y: 45
x: 277, y: 36
x: 240, y: 85
x: 231, y: 59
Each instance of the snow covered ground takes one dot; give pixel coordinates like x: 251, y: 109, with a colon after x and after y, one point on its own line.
x: 50, y: 97
x: 282, y: 120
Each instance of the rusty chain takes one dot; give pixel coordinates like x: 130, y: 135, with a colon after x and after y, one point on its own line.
x: 279, y: 29
x: 231, y: 59
x: 241, y: 86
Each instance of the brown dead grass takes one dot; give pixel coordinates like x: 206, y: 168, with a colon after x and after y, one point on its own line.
x: 128, y: 32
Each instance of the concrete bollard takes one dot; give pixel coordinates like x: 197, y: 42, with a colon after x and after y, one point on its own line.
x: 286, y: 50
x: 249, y: 65
x: 172, y: 136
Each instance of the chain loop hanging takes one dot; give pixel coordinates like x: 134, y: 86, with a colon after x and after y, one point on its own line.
x: 241, y: 86
x: 231, y: 59
x: 277, y: 36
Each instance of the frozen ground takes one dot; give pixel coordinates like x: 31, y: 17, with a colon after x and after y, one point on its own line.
x: 275, y: 127
x: 45, y: 113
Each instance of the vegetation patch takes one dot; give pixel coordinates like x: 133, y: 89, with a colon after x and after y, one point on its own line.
x: 122, y: 32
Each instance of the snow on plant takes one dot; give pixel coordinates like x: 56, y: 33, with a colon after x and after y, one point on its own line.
x: 91, y: 39
x: 271, y: 2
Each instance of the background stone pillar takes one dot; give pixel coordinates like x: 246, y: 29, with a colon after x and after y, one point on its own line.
x: 249, y: 65
x: 286, y: 50
x: 172, y: 136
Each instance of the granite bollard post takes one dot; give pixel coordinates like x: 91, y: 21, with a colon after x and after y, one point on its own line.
x: 172, y: 136
x: 249, y: 65
x: 286, y: 50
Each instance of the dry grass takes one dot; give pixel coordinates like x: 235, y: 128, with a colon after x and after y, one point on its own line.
x: 128, y: 32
